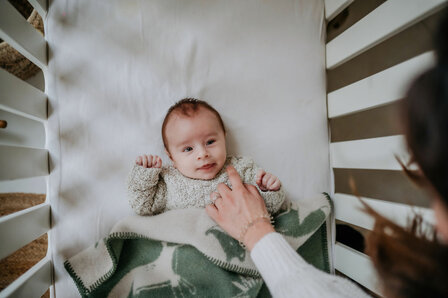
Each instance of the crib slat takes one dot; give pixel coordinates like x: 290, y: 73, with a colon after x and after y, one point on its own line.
x: 21, y: 131
x: 385, y: 119
x: 20, y: 97
x: 387, y: 185
x: 40, y: 6
x: 33, y: 283
x: 21, y: 35
x: 356, y: 265
x: 22, y: 162
x: 20, y: 228
x: 387, y: 20
x: 379, y: 89
x: 348, y: 208
x: 37, y: 185
x: 334, y: 7
x: 375, y: 153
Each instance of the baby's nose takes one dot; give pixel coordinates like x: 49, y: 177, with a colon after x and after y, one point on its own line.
x: 203, y: 153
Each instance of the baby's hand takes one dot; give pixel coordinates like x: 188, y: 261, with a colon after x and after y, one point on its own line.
x: 149, y: 161
x: 267, y: 181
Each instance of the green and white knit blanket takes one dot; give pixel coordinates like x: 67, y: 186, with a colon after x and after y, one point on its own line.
x: 183, y: 253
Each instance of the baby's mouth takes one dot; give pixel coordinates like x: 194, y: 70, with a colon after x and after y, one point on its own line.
x: 207, y: 166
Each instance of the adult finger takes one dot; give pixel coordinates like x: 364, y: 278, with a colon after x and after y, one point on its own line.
x: 234, y: 178
x: 256, y: 195
x: 214, y: 196
x: 252, y: 189
x: 218, y: 203
x: 212, y: 211
x: 223, y: 189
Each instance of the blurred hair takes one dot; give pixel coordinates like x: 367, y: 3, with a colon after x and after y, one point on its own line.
x: 409, y: 263
x: 425, y: 117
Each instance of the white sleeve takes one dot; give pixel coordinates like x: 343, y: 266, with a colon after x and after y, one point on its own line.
x: 287, y: 274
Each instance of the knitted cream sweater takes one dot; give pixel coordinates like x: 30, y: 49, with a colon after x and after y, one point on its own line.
x: 154, y: 190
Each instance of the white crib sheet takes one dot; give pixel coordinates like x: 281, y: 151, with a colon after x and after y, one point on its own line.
x: 116, y: 66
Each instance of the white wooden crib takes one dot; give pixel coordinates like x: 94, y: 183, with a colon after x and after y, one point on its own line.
x: 369, y: 65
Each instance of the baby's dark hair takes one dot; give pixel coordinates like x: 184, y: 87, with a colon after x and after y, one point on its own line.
x: 188, y: 107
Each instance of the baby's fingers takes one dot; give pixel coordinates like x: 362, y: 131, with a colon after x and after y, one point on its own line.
x: 265, y: 179
x: 157, y: 162
x: 259, y: 176
x: 147, y: 161
x: 271, y: 181
x: 276, y: 185
x: 138, y: 161
x: 153, y: 162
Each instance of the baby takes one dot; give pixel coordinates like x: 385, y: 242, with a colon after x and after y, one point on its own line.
x: 195, y: 140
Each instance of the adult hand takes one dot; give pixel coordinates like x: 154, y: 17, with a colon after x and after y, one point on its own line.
x: 235, y: 208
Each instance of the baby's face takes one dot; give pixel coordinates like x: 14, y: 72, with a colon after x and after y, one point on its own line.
x: 197, y: 144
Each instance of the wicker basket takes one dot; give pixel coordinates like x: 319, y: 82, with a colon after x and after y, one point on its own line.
x: 14, y: 62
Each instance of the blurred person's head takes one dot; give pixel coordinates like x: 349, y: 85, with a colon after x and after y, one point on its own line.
x: 408, y: 262
x: 425, y: 119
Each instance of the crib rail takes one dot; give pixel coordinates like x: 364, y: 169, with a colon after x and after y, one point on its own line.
x: 387, y: 185
x: 31, y: 223
x: 348, y: 209
x: 334, y: 7
x: 16, y: 31
x: 33, y: 283
x: 22, y: 162
x: 369, y: 153
x: 22, y: 149
x: 40, y: 6
x: 388, y: 19
x: 31, y: 132
x: 20, y: 97
x: 356, y: 265
x: 379, y: 89
x: 362, y: 113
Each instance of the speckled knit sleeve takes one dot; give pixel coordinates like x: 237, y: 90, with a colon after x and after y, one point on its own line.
x: 248, y: 170
x: 146, y: 190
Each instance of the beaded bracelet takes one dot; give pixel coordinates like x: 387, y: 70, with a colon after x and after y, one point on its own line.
x: 246, y: 227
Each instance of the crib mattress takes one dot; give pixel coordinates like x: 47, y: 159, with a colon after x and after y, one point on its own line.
x: 115, y: 68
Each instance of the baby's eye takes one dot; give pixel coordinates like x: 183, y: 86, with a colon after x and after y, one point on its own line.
x: 210, y: 142
x: 187, y: 149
